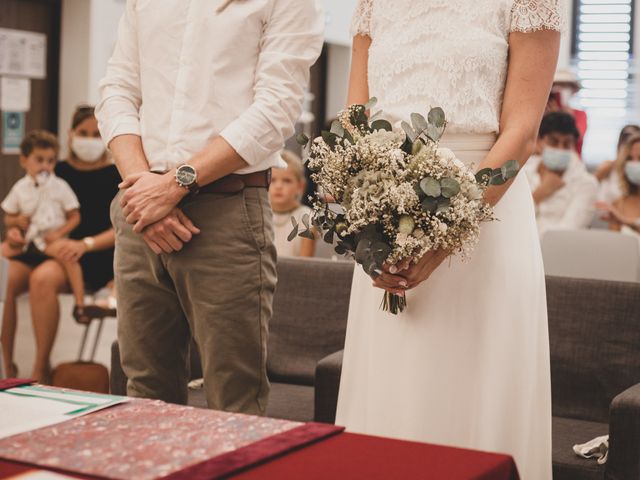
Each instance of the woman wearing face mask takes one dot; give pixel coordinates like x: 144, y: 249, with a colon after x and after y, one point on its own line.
x: 607, y: 174
x: 624, y: 214
x: 94, y: 180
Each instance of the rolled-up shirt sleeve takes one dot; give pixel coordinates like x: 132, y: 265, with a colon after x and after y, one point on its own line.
x: 291, y: 43
x: 118, y: 111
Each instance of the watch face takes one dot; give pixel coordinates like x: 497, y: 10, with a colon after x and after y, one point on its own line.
x: 186, y: 175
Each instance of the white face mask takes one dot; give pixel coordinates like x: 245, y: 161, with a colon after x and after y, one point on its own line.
x: 632, y: 171
x: 87, y: 149
x: 556, y: 159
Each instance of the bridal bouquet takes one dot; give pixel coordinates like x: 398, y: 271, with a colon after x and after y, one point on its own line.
x: 387, y: 195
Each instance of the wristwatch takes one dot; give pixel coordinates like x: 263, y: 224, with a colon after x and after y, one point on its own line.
x: 187, y: 177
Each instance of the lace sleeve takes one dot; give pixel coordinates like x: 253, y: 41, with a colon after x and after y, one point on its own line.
x: 361, y: 24
x: 531, y: 15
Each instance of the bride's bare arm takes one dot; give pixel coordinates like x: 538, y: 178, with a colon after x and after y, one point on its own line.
x: 532, y: 63
x: 359, y: 77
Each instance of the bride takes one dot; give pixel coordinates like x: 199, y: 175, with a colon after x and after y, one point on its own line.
x: 467, y: 364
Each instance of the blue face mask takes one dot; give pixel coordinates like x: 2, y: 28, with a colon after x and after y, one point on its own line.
x: 632, y: 171
x: 556, y: 159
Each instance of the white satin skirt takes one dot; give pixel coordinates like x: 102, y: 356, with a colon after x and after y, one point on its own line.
x: 467, y: 364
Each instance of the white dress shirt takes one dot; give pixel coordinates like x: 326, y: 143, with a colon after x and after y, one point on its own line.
x: 46, y: 204
x: 571, y: 207
x: 182, y: 74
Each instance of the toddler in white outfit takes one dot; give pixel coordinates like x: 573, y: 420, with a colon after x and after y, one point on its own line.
x: 40, y: 210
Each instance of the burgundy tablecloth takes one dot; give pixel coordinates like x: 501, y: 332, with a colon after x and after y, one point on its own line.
x: 359, y: 457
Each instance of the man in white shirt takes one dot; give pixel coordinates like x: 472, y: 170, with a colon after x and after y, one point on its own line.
x: 203, y: 92
x: 563, y: 191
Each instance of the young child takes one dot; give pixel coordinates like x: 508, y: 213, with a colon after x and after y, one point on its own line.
x: 287, y: 188
x: 40, y: 210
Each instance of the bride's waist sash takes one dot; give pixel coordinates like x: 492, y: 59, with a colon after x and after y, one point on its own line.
x: 468, y: 142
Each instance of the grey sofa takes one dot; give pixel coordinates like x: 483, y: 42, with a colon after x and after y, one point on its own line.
x: 594, y: 329
x: 309, y: 321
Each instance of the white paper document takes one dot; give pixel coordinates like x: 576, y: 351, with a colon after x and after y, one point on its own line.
x: 15, y: 94
x: 28, y: 408
x: 23, y: 53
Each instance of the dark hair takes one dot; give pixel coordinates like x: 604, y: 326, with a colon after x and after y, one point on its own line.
x: 627, y: 132
x: 38, y: 139
x: 81, y: 113
x: 559, y: 122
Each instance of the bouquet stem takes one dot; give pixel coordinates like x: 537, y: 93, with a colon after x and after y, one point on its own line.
x: 393, y: 303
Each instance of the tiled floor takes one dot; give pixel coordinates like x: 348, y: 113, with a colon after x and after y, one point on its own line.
x: 67, y: 342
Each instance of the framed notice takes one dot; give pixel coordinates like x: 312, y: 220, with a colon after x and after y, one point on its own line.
x: 23, y: 54
x: 13, y: 125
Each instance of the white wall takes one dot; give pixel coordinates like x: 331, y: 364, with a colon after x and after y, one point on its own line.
x: 89, y: 29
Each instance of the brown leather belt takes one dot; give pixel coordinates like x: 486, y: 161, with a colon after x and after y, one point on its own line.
x: 236, y: 182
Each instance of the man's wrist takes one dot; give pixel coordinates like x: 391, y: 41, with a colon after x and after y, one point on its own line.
x: 176, y: 191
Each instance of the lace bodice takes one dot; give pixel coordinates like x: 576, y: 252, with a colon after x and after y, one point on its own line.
x: 448, y: 53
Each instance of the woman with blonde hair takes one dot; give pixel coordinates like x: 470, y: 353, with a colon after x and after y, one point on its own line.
x: 624, y: 213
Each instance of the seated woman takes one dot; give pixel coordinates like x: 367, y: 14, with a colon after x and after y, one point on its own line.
x: 94, y: 180
x: 607, y: 174
x: 624, y: 214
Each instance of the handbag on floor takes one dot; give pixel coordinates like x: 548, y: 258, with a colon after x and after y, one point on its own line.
x: 85, y: 375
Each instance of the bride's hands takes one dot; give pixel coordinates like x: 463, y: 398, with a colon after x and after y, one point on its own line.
x: 406, y: 276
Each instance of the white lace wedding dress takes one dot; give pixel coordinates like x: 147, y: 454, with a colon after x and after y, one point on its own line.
x: 467, y: 364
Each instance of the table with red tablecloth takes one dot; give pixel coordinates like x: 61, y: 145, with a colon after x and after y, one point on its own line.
x: 145, y: 439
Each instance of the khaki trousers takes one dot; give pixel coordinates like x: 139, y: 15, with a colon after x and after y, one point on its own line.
x: 218, y: 289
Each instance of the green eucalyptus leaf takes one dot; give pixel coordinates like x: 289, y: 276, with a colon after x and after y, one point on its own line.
x: 408, y: 129
x: 419, y: 192
x: 416, y: 147
x: 363, y: 250
x: 328, y: 236
x: 308, y: 234
x: 340, y: 249
x: 430, y: 205
x: 373, y: 101
x: 431, y: 187
x: 484, y: 176
x: 437, y: 117
x: 305, y: 220
x: 497, y: 178
x: 380, y: 252
x: 419, y: 122
x: 329, y: 138
x: 369, y: 266
x: 443, y: 205
x: 381, y: 125
x: 293, y: 234
x: 337, y: 128
x: 450, y: 187
x: 510, y: 169
x: 302, y: 139
x: 370, y: 232
x: 434, y: 133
